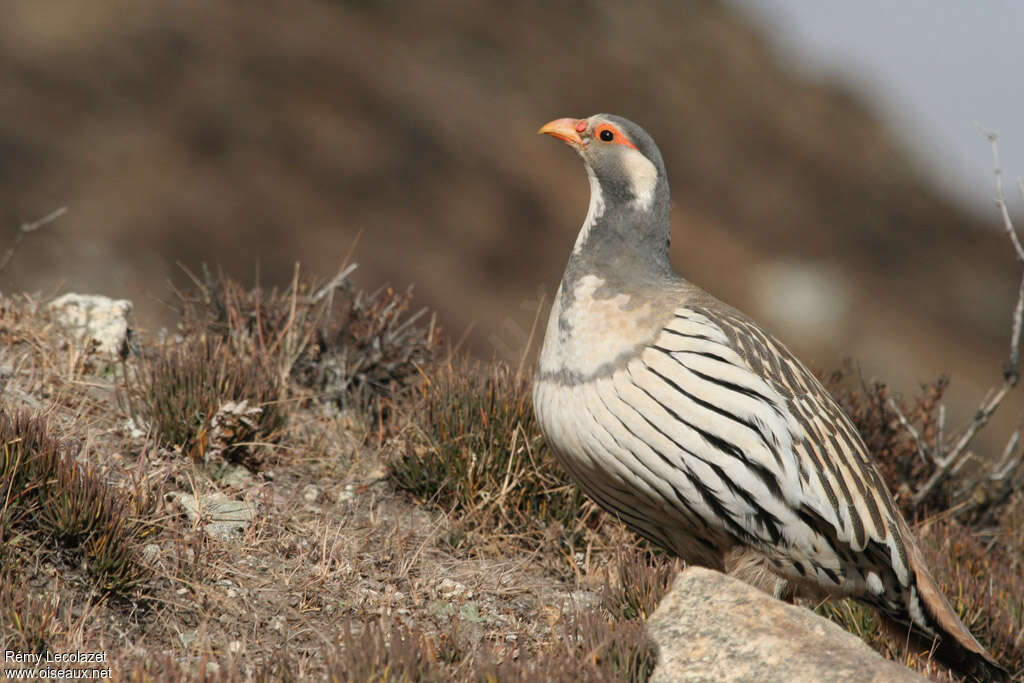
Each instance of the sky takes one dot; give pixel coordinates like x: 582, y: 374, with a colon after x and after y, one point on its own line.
x: 940, y: 73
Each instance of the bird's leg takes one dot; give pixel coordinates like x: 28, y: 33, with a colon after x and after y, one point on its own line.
x: 751, y: 567
x: 784, y: 590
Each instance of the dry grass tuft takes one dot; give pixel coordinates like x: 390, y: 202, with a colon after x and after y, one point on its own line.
x: 370, y: 350
x: 590, y: 646
x: 220, y: 387
x: 201, y: 397
x: 351, y: 347
x: 474, y: 451
x: 50, y: 500
x: 642, y: 580
x: 27, y: 623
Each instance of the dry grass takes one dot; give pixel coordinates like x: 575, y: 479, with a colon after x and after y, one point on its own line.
x: 409, y: 523
x: 475, y: 452
x: 201, y: 398
x: 337, y: 576
x: 58, y: 513
x: 352, y: 348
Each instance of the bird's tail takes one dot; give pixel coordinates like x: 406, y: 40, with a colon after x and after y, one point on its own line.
x: 955, y: 646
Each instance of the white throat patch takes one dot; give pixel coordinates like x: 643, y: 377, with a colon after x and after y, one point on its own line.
x: 594, y: 212
x: 643, y: 177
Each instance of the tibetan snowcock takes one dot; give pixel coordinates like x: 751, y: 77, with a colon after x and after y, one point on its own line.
x: 685, y: 419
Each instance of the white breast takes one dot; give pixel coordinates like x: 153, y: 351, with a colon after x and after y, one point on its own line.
x: 597, y: 329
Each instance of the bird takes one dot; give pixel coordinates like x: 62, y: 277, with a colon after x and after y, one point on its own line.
x: 702, y: 432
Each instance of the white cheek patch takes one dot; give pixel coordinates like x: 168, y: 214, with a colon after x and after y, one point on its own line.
x: 643, y: 177
x: 594, y: 212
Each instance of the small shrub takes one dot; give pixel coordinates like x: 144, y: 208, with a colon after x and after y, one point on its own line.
x: 592, y: 646
x: 387, y: 651
x: 202, y: 397
x: 607, y: 649
x: 369, y: 350
x: 351, y: 347
x: 984, y: 581
x: 983, y: 577
x: 642, y: 579
x: 474, y: 449
x: 52, y: 498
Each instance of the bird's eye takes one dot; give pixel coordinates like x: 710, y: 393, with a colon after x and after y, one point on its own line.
x: 607, y: 135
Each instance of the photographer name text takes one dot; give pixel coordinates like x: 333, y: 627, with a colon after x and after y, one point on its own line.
x: 48, y: 657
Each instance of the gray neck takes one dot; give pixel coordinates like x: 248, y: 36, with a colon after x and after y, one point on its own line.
x: 622, y: 240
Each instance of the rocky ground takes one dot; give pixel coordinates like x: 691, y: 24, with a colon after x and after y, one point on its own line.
x: 313, y: 484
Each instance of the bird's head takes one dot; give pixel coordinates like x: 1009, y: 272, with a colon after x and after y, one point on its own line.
x: 629, y: 198
x: 619, y: 154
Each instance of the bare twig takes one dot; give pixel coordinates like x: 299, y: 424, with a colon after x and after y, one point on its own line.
x: 921, y: 450
x: 1004, y: 211
x: 945, y: 464
x: 336, y: 282
x: 1010, y: 461
x: 25, y: 229
x: 1004, y: 478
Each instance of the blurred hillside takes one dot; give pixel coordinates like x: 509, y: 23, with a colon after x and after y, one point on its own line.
x: 275, y: 132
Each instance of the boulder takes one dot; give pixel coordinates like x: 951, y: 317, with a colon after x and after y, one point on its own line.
x: 711, y: 627
x: 91, y: 317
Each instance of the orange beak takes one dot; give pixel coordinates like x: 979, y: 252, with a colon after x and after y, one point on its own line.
x: 567, y: 130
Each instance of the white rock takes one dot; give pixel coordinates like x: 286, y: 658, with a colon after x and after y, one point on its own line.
x: 134, y: 430
x: 449, y: 589
x: 96, y: 317
x: 220, y: 516
x: 347, y: 494
x: 237, y: 477
x: 711, y: 627
x: 310, y: 493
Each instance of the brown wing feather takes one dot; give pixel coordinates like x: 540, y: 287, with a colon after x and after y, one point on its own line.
x: 832, y: 448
